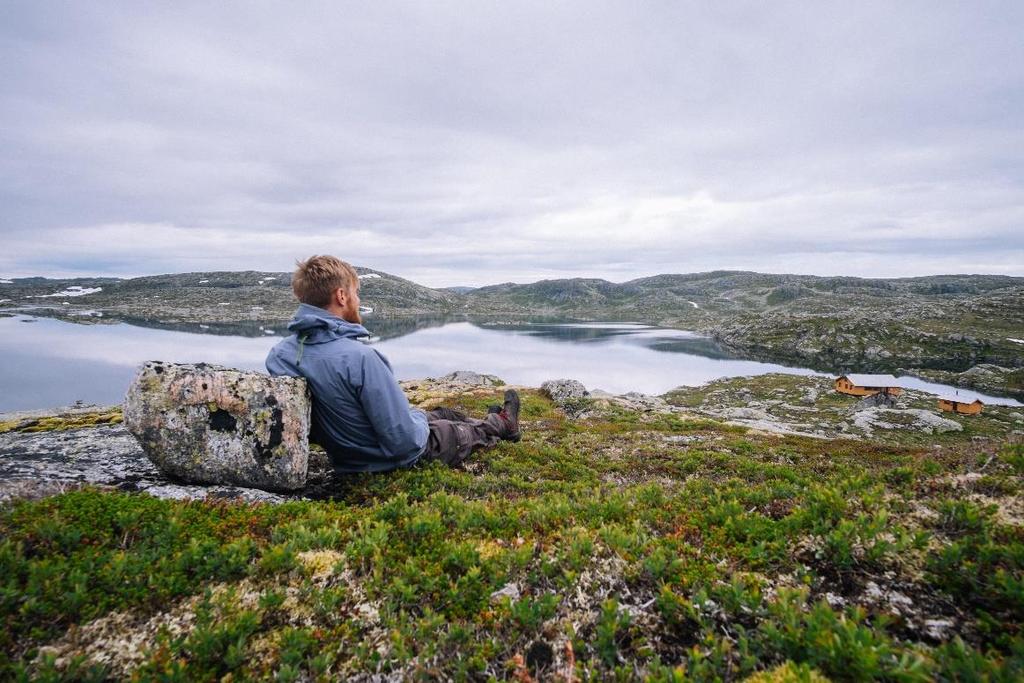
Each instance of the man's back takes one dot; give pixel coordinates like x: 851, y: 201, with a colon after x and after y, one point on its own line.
x: 360, y: 414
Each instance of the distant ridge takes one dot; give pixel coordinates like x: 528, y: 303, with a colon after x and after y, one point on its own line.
x: 931, y: 324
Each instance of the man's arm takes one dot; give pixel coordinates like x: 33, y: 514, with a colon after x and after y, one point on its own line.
x: 276, y: 365
x: 402, y: 431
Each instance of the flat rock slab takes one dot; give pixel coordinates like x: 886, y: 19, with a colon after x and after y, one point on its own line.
x: 34, y: 466
x: 204, y: 424
x: 39, y: 465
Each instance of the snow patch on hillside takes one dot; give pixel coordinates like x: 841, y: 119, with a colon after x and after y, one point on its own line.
x: 73, y: 290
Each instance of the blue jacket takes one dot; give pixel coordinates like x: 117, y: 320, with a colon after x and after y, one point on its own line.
x: 360, y: 415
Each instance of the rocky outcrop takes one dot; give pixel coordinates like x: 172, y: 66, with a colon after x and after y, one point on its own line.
x: 570, y: 395
x: 994, y: 378
x: 204, y: 424
x: 865, y: 333
x: 985, y: 377
x: 910, y: 418
x: 561, y: 390
x: 633, y: 401
x: 879, y: 400
x: 464, y: 378
x: 761, y: 420
x: 36, y: 464
x: 433, y: 392
x: 774, y: 403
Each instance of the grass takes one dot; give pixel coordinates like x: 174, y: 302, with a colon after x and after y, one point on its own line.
x: 594, y: 549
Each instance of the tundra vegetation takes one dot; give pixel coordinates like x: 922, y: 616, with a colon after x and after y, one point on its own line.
x: 618, y: 545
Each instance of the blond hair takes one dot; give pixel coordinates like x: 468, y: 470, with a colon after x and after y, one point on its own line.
x: 318, y: 277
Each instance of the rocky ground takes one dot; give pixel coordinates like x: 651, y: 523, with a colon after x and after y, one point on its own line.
x: 984, y: 377
x: 809, y: 406
x: 763, y: 528
x: 900, y: 337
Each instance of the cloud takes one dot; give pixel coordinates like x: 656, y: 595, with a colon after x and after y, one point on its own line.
x: 470, y: 143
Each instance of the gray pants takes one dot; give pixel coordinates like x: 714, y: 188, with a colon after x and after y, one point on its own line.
x: 454, y: 435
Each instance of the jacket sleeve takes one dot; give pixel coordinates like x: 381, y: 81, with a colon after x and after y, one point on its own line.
x: 401, y: 429
x: 276, y: 364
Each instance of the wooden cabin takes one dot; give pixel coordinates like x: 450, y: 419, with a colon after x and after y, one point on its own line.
x: 960, y: 405
x: 867, y: 385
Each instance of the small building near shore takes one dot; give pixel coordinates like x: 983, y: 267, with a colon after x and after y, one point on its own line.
x: 960, y: 405
x: 866, y: 385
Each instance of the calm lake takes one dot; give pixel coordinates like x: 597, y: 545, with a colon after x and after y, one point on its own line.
x: 46, y: 363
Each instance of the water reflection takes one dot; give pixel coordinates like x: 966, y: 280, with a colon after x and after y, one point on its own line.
x: 656, y: 338
x: 617, y: 357
x: 382, y: 328
x: 52, y: 362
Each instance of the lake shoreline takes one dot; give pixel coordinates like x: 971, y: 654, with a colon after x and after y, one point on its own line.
x: 56, y: 362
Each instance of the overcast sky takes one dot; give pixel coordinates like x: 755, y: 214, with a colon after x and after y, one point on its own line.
x: 477, y: 142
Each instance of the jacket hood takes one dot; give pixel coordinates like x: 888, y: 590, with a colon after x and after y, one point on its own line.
x: 318, y: 326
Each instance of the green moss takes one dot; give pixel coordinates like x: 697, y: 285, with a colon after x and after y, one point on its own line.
x: 534, y: 405
x: 56, y: 423
x: 788, y: 673
x: 1015, y: 381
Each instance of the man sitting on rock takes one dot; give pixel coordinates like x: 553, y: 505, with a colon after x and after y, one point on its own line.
x: 360, y: 415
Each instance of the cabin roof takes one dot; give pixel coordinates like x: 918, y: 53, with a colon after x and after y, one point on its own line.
x: 873, y: 380
x: 960, y: 399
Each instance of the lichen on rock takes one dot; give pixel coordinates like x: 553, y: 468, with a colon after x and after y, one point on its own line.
x: 561, y: 390
x: 205, y: 424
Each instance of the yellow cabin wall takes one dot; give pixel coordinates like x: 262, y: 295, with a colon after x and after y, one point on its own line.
x: 960, y: 408
x: 846, y: 387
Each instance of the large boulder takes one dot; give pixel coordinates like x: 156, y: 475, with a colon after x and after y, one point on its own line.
x: 470, y: 378
x: 570, y: 395
x: 562, y: 390
x: 877, y: 400
x: 205, y: 424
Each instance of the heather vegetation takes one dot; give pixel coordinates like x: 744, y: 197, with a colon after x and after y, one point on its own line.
x: 623, y: 545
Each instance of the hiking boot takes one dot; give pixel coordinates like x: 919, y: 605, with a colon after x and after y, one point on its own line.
x: 510, y: 414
